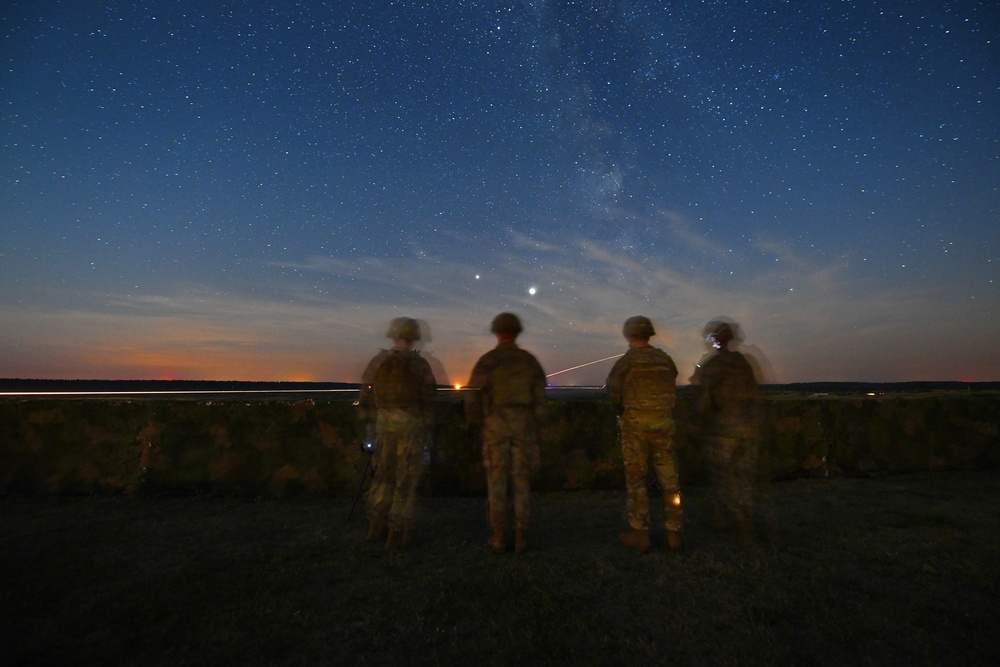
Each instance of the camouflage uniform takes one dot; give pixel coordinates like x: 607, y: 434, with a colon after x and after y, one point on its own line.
x: 641, y: 386
x: 397, y: 390
x: 727, y: 410
x: 509, y: 404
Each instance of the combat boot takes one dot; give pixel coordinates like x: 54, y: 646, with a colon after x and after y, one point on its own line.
x: 519, y: 540
x: 673, y: 540
x: 636, y: 539
x: 376, y: 529
x: 498, y: 542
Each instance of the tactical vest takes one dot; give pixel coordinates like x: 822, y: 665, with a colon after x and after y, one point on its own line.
x: 730, y: 379
x: 398, y: 381
x: 649, y: 385
x: 511, y: 383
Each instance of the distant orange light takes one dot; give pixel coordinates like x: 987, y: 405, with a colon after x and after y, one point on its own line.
x: 458, y: 386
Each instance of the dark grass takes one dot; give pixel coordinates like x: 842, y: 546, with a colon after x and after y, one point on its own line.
x: 894, y: 570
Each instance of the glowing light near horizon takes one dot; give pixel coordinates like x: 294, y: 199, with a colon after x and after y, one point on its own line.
x: 531, y: 291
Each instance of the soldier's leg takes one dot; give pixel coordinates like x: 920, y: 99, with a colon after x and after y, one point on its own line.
x: 521, y: 487
x: 524, y: 446
x: 636, y: 459
x: 717, y: 456
x: 409, y: 470
x: 521, y: 467
x: 496, y: 464
x: 415, y: 472
x: 379, y: 497
x: 743, y: 477
x: 665, y: 469
x: 635, y: 454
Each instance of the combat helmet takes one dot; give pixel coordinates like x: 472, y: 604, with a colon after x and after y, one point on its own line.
x: 638, y: 327
x: 506, y: 323
x: 404, y: 328
x: 722, y: 331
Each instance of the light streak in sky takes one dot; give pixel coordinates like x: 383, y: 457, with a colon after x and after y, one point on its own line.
x: 589, y: 363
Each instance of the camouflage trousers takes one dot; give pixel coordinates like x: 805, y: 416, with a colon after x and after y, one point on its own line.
x: 510, y: 456
x: 732, y: 452
x: 400, y: 440
x: 646, y: 441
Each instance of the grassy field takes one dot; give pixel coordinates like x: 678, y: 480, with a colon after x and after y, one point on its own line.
x: 891, y: 570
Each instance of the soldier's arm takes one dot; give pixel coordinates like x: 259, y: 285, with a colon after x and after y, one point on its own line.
x: 753, y: 381
x: 474, y: 392
x: 538, y: 392
x: 428, y: 388
x: 614, y: 385
x: 366, y: 398
x: 673, y: 367
x: 706, y: 390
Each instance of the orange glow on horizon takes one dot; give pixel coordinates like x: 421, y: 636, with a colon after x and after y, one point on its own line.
x: 198, y: 364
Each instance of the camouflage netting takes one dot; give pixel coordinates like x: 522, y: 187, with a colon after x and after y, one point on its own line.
x: 278, y: 448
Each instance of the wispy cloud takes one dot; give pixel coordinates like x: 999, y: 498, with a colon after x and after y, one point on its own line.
x: 323, y: 322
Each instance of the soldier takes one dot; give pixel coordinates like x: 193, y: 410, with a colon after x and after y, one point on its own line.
x: 509, y: 404
x: 642, y: 389
x: 728, y: 419
x: 397, y: 392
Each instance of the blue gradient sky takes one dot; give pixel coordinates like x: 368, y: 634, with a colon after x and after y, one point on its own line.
x: 251, y: 191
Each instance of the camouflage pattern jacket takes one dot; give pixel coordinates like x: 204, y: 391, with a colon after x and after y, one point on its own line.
x: 397, y: 379
x: 728, y: 387
x: 506, y: 376
x: 643, y: 381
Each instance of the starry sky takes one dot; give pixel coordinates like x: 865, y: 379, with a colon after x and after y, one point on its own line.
x: 253, y: 190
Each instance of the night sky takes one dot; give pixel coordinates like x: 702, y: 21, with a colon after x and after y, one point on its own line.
x: 252, y: 190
